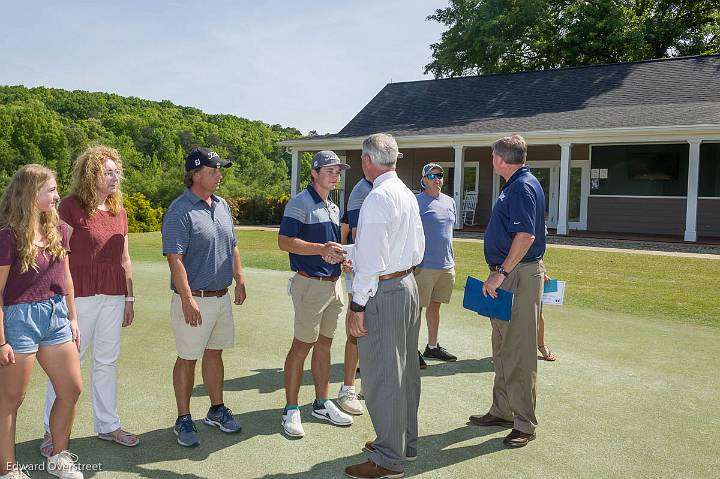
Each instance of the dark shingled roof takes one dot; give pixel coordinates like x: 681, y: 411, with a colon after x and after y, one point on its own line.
x: 673, y: 91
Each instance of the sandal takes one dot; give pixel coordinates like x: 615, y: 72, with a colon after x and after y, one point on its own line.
x: 121, y: 437
x: 46, y: 446
x: 547, y: 353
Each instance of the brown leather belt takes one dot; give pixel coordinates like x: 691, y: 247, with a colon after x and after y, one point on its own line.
x: 397, y: 274
x: 319, y: 278
x: 202, y: 293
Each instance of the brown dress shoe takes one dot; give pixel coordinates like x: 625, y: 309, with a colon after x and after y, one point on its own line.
x: 370, y: 448
x: 370, y: 470
x: 518, y: 438
x: 489, y: 420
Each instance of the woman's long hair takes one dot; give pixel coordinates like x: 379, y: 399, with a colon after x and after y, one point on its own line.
x: 19, y: 213
x: 89, y: 171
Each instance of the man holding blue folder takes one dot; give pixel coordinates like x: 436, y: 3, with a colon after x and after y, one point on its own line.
x: 514, y: 248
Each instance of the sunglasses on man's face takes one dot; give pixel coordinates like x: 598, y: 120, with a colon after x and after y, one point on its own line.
x: 432, y: 176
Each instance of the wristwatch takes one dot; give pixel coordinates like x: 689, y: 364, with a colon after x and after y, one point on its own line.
x: 129, y: 299
x: 501, y: 270
x: 356, y: 308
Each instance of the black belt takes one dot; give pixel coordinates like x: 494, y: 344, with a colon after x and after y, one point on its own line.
x: 494, y: 267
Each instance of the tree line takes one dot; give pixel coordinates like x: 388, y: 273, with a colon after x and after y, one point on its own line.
x: 52, y: 126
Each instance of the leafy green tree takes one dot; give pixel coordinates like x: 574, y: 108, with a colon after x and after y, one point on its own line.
x: 52, y: 126
x: 490, y: 36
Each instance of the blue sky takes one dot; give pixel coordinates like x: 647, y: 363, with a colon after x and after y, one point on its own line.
x: 308, y: 64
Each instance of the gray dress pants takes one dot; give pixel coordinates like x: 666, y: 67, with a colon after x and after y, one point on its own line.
x: 390, y: 370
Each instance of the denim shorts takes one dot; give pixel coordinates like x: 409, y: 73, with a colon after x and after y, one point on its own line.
x: 29, y: 326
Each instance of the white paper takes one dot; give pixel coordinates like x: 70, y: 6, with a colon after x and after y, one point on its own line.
x: 595, y: 173
x: 557, y: 297
x: 603, y: 173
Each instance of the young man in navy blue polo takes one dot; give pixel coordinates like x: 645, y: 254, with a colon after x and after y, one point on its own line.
x: 310, y: 233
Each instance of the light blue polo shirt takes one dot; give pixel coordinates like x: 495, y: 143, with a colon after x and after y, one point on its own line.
x: 307, y: 217
x: 438, y: 219
x: 204, y: 236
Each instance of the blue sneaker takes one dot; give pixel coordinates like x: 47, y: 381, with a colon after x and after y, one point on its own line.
x: 186, y: 432
x: 223, y: 419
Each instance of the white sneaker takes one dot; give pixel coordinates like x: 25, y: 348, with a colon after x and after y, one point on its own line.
x: 63, y: 466
x: 292, y: 424
x: 330, y: 412
x: 15, y: 474
x: 349, y: 402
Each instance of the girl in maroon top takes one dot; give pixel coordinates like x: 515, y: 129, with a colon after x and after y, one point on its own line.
x: 38, y: 313
x: 102, y: 272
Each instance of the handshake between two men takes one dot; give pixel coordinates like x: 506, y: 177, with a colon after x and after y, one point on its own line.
x: 334, y: 253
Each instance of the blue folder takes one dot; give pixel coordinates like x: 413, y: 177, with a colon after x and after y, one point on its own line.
x: 498, y: 308
x: 550, y: 286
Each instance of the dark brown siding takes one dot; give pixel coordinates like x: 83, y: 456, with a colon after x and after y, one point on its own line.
x: 708, y: 217
x: 637, y: 215
x: 485, y: 182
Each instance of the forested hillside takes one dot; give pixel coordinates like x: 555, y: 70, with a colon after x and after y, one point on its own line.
x: 51, y: 126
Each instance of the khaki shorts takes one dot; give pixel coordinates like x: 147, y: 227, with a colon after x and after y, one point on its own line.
x: 217, y: 330
x: 318, y: 305
x: 434, y: 285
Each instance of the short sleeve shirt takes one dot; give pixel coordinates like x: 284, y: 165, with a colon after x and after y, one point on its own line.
x: 205, y: 237
x: 31, y: 286
x: 307, y: 217
x: 520, y: 208
x: 438, y: 219
x: 357, y: 196
x: 98, y: 243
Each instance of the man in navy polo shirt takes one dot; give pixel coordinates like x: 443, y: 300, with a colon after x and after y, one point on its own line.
x: 514, y: 248
x: 310, y: 232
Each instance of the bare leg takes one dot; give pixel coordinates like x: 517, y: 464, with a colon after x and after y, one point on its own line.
x: 541, y: 329
x: 432, y: 315
x: 294, y: 363
x: 183, y: 382
x: 213, y: 373
x: 351, y: 356
x: 14, y: 379
x: 320, y: 367
x: 62, y: 365
x: 351, y: 361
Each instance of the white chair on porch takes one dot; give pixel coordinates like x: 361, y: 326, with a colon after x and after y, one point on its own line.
x: 468, y: 208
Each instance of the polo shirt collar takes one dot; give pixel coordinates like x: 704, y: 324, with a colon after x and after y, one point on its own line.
x: 517, y: 175
x: 384, y: 177
x: 316, y: 198
x: 193, y: 198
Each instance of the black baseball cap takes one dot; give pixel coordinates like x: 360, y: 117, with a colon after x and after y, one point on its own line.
x: 204, y: 157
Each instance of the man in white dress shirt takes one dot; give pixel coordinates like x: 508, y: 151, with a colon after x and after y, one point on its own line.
x: 385, y: 311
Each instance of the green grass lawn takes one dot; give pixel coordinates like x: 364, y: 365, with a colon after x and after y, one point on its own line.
x: 628, y: 397
x: 675, y: 288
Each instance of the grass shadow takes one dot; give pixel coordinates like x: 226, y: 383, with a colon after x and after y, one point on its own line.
x: 156, y: 446
x: 434, y: 453
x: 270, y: 380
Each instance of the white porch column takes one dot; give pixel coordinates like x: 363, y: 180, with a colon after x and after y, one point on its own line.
x: 562, y: 223
x: 458, y: 182
x: 295, y: 173
x: 692, y: 190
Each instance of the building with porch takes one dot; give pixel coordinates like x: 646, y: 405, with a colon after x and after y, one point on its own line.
x: 626, y: 148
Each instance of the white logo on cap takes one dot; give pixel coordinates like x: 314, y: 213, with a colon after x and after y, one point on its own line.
x: 212, y: 155
x: 197, y: 162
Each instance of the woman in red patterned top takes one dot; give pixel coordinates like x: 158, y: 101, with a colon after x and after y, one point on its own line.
x: 37, y: 319
x: 102, y: 272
